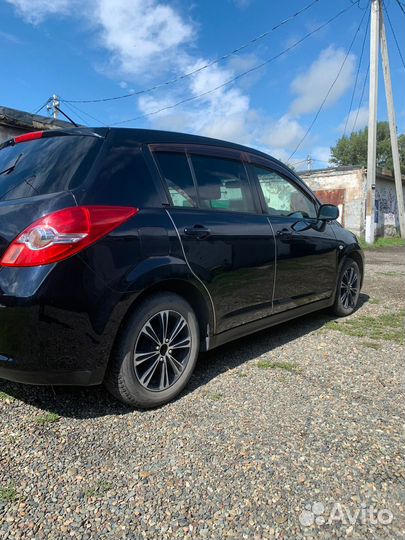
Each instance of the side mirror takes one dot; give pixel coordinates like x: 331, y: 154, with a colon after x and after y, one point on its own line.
x: 328, y: 212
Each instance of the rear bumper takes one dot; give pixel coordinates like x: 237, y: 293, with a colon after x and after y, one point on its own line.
x: 56, y: 326
x: 46, y: 345
x: 54, y: 378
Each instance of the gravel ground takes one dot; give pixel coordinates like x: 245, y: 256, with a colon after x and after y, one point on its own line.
x: 299, y: 423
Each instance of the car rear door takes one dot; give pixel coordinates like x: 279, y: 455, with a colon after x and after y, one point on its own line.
x: 306, y: 247
x: 227, y: 241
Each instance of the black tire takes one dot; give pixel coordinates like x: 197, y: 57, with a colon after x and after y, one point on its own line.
x: 348, y: 289
x: 127, y: 378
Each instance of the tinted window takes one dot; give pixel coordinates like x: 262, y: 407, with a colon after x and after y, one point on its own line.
x: 282, y: 197
x: 47, y: 165
x: 177, y: 175
x: 123, y: 178
x: 222, y: 184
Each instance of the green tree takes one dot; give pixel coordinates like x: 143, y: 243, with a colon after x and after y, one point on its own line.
x: 353, y: 150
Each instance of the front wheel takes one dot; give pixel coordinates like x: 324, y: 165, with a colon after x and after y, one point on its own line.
x: 348, y: 289
x: 156, y: 352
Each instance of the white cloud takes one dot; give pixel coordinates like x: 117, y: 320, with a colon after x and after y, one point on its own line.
x: 142, y: 35
x: 11, y: 38
x: 242, y: 4
x: 321, y: 155
x: 361, y: 122
x: 244, y: 62
x: 285, y: 132
x: 35, y: 11
x: 148, y: 38
x: 224, y: 113
x: 312, y: 86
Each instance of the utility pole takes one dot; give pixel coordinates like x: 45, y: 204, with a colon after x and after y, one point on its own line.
x: 372, y: 122
x: 52, y: 106
x: 392, y: 123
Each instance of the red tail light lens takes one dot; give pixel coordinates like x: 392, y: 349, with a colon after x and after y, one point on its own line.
x: 63, y: 233
x: 28, y: 137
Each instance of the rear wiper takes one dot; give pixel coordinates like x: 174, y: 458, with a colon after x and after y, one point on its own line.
x: 13, y: 166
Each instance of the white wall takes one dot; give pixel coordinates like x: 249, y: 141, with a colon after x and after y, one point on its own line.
x: 352, y: 181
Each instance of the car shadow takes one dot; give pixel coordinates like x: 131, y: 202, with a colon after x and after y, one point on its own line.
x: 94, y: 402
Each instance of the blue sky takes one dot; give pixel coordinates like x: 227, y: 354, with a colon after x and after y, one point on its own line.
x: 100, y: 48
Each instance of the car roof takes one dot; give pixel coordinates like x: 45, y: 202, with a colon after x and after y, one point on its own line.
x: 156, y: 136
x: 150, y: 136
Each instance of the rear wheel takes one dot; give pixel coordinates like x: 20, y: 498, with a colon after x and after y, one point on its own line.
x: 156, y: 352
x: 348, y: 289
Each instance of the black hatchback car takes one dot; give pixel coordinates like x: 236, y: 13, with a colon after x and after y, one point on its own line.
x: 125, y: 252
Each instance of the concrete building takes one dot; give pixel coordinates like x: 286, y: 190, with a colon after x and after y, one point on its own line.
x: 14, y: 122
x: 345, y: 187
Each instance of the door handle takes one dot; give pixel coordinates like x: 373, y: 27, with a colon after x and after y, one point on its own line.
x: 198, y: 231
x: 284, y: 234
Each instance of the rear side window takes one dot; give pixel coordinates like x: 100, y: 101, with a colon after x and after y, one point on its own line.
x: 123, y: 176
x: 222, y: 184
x: 177, y: 175
x: 47, y: 165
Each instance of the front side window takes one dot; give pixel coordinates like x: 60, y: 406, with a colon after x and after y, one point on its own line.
x: 177, y: 175
x: 282, y: 197
x: 222, y: 184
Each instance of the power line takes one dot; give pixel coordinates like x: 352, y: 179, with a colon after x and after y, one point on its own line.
x: 401, y: 7
x: 330, y: 89
x: 42, y: 106
x: 76, y: 113
x: 65, y: 115
x: 198, y: 70
x: 71, y: 105
x: 358, y: 2
x: 361, y: 99
x: 237, y: 77
x: 357, y: 75
x: 320, y: 160
x: 393, y: 33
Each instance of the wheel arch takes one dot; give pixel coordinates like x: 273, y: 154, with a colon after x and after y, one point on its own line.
x: 186, y: 290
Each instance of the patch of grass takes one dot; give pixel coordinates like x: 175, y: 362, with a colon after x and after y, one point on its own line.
x: 371, y: 345
x: 8, y: 494
x: 99, y: 489
x: 242, y: 374
x: 390, y: 273
x: 215, y: 397
x: 388, y: 327
x: 6, y: 397
x: 287, y: 366
x: 48, y: 418
x: 382, y: 243
x: 374, y: 301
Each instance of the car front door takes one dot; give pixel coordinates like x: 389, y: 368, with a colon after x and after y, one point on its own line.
x: 306, y: 247
x: 226, y: 239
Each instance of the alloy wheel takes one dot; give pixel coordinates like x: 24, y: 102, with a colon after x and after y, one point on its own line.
x: 349, y: 288
x: 162, y: 350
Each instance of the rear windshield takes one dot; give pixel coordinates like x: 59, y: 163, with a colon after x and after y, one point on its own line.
x: 47, y: 165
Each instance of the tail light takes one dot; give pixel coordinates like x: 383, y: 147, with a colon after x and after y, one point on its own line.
x: 63, y: 233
